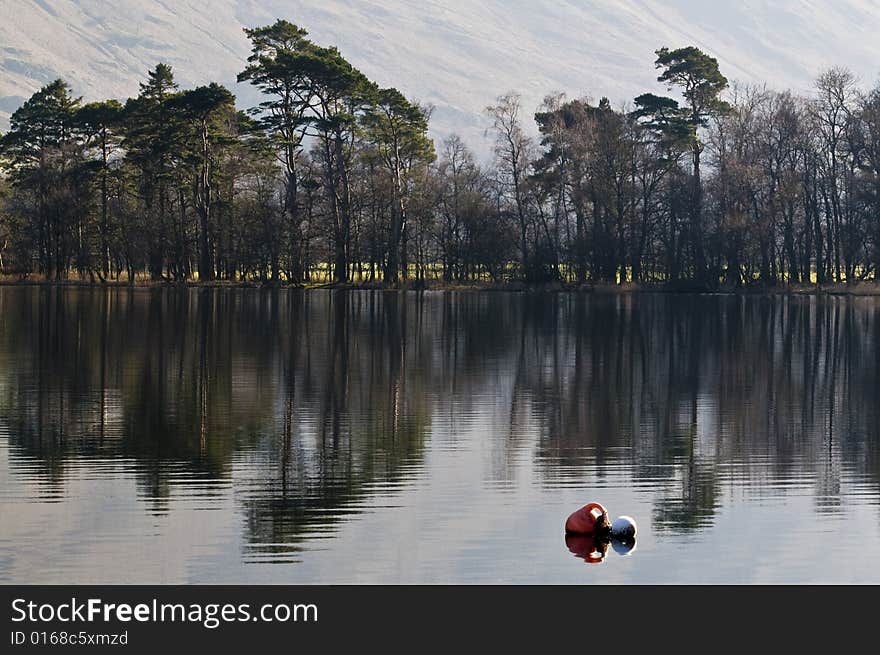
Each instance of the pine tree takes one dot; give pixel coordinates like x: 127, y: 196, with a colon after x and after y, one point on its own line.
x: 313, y: 92
x: 149, y: 148
x: 701, y: 83
x: 200, y: 113
x: 40, y: 153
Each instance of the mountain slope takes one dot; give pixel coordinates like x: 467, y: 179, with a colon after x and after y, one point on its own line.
x: 457, y: 54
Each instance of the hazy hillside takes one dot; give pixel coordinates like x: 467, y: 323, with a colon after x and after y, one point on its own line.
x: 455, y: 54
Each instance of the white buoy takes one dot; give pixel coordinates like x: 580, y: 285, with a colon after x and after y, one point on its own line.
x: 623, y: 527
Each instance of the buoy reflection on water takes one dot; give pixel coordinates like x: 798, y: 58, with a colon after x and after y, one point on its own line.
x: 588, y: 548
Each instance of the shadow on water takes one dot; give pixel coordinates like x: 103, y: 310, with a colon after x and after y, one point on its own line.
x: 309, y: 403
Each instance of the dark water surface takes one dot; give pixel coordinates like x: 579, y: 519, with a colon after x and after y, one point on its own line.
x: 166, y: 436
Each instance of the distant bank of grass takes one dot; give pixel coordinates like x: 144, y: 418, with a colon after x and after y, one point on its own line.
x: 862, y: 288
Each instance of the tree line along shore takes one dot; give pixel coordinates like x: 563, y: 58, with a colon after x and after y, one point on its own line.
x: 334, y: 180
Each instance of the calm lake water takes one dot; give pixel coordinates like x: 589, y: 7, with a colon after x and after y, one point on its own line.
x: 173, y: 436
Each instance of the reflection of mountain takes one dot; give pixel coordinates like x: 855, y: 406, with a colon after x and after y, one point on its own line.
x: 309, y: 403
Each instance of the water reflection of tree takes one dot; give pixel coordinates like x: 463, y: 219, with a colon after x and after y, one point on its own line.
x: 139, y: 376
x: 307, y: 393
x: 691, y: 392
x: 315, y: 401
x: 360, y: 423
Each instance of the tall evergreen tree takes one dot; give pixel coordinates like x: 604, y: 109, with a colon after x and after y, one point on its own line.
x: 700, y: 81
x: 149, y: 148
x: 276, y: 67
x: 40, y: 153
x: 200, y: 112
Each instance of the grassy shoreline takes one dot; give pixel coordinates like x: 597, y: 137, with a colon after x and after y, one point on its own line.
x: 834, y: 289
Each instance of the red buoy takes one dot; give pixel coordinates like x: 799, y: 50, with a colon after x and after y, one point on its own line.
x: 591, y: 519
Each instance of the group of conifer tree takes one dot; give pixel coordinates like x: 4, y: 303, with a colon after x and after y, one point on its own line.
x: 333, y: 178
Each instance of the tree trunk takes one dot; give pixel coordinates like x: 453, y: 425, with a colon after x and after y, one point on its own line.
x: 203, y: 197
